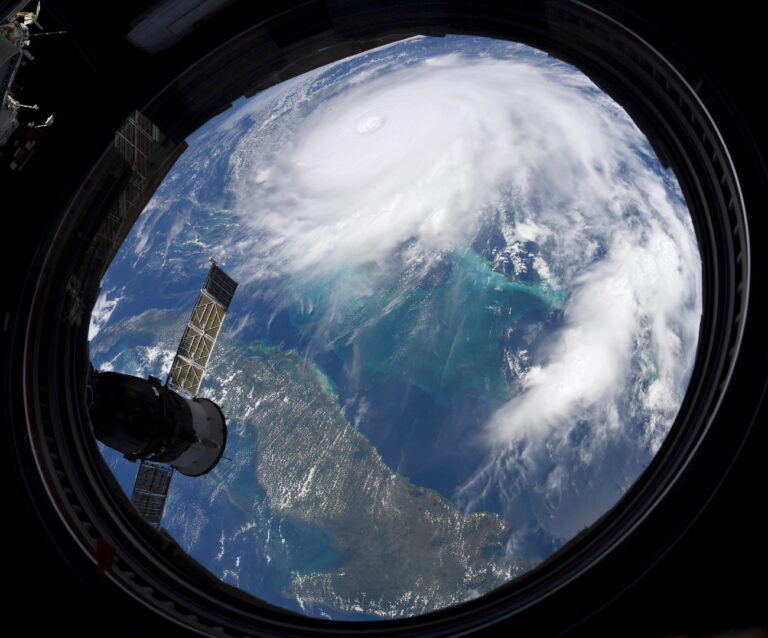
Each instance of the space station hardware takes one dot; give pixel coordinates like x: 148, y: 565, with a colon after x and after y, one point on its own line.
x: 150, y: 490
x: 166, y: 426
x: 200, y: 334
x: 15, y: 38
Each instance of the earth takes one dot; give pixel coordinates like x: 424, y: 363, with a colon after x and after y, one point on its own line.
x: 468, y: 309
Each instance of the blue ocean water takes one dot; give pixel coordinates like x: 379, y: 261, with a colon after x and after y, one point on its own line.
x: 420, y: 389
x: 445, y: 339
x: 417, y: 437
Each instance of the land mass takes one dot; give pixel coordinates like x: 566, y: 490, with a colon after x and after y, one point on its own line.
x: 407, y: 550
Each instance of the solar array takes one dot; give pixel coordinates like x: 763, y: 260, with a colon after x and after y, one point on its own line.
x: 153, y: 479
x: 201, y: 332
x: 150, y: 490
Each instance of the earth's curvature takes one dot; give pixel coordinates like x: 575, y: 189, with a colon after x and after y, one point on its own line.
x: 468, y: 310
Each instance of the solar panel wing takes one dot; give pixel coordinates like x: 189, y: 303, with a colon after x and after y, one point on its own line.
x: 152, y: 479
x: 220, y: 285
x: 150, y: 491
x: 200, y: 335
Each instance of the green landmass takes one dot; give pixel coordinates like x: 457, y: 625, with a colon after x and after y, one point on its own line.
x: 407, y: 549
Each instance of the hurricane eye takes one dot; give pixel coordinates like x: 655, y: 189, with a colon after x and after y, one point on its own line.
x: 468, y: 309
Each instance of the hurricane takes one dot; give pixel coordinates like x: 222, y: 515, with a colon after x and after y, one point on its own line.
x: 464, y: 259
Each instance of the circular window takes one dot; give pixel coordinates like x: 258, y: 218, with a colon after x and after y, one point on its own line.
x: 513, y: 308
x: 468, y: 311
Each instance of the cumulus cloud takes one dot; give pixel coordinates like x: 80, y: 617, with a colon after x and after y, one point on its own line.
x: 425, y: 154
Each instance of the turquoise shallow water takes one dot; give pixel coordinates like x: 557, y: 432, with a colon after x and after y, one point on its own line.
x: 445, y: 337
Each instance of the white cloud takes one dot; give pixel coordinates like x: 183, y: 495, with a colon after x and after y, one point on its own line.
x: 102, y: 311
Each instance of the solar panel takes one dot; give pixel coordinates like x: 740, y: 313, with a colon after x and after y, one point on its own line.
x: 201, y: 332
x: 220, y: 285
x: 150, y: 490
x: 185, y: 376
x: 153, y: 479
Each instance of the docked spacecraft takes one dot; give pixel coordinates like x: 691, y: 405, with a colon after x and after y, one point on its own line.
x: 166, y: 426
